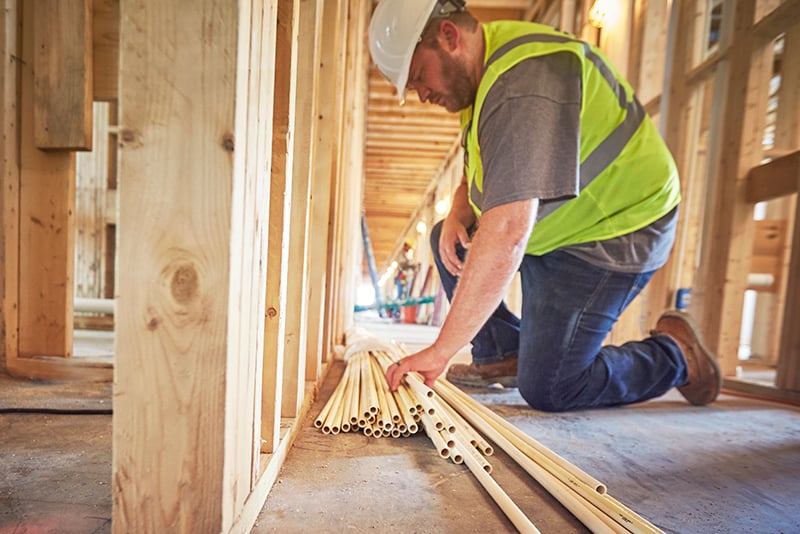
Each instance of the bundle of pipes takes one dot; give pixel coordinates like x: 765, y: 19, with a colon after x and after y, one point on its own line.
x: 362, y: 401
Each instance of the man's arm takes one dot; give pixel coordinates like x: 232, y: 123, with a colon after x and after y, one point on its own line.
x: 495, y: 255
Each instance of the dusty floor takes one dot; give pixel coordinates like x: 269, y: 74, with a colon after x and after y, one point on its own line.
x: 730, y: 467
x: 55, y: 468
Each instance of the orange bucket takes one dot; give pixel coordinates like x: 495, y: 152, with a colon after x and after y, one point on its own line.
x: 408, y: 314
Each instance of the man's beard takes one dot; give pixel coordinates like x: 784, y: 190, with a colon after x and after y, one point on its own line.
x: 462, y: 90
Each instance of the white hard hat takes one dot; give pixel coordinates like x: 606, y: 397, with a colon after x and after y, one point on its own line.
x: 394, y: 31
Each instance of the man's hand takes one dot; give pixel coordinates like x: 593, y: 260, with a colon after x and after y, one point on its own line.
x: 453, y: 232
x: 429, y: 362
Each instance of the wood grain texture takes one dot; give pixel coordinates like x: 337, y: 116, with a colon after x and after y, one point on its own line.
x: 46, y: 219
x: 105, y: 47
x: 788, y: 373
x: 305, y: 82
x: 9, y: 182
x: 329, y: 116
x: 177, y: 370
x: 62, y: 68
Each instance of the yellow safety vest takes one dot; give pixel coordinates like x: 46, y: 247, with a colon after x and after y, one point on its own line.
x: 628, y: 177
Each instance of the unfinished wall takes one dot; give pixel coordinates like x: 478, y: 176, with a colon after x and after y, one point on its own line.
x: 230, y: 155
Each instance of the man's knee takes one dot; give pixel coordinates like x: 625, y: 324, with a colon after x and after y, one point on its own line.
x: 543, y: 398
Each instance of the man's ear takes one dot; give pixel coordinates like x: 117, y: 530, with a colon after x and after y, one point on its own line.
x: 449, y: 35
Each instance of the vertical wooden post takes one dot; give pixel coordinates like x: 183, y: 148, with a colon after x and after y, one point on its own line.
x: 280, y: 210
x: 347, y: 250
x: 194, y: 106
x: 770, y: 306
x: 306, y: 90
x: 9, y: 181
x: 272, y: 351
x: 47, y: 199
x: 329, y: 135
x: 660, y: 290
x: 90, y: 209
x: 788, y: 374
x: 737, y: 131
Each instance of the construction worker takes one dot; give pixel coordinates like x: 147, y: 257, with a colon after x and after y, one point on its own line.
x: 566, y: 180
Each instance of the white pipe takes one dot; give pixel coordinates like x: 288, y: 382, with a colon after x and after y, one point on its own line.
x: 760, y: 280
x: 87, y: 305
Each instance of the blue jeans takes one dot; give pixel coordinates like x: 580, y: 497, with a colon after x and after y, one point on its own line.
x: 568, y: 308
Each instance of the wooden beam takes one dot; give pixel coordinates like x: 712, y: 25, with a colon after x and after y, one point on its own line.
x: 780, y: 20
x: 736, y: 131
x: 62, y: 70
x: 90, y: 210
x: 47, y: 224
x: 349, y: 187
x: 306, y: 88
x: 9, y: 181
x: 187, y: 372
x: 282, y: 190
x: 105, y: 46
x: 329, y: 112
x: 675, y: 130
x: 774, y: 179
x: 788, y: 372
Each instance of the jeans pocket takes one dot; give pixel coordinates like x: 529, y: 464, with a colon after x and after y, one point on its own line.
x: 638, y: 282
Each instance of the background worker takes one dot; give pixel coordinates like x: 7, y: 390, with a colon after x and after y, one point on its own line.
x: 567, y: 181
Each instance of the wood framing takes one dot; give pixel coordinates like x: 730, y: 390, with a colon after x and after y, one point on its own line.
x: 330, y: 135
x: 304, y: 65
x: 62, y: 70
x: 46, y: 218
x: 788, y: 374
x: 105, y: 49
x: 90, y: 209
x: 193, y: 214
x: 9, y: 180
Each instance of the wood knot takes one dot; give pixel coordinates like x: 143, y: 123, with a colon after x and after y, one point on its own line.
x: 227, y: 142
x: 129, y: 138
x: 271, y: 312
x: 185, y: 283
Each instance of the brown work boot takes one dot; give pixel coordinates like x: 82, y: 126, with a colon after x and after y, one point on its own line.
x: 503, y: 372
x: 705, y: 378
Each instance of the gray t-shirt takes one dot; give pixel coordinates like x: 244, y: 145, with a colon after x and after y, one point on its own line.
x: 529, y: 134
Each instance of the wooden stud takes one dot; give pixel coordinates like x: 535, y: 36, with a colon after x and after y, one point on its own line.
x: 787, y: 137
x: 662, y: 286
x: 90, y: 210
x: 306, y: 94
x: 281, y: 204
x: 9, y: 181
x: 46, y: 218
x: 737, y: 131
x: 62, y: 70
x: 105, y: 47
x: 187, y: 371
x: 788, y: 374
x: 329, y: 135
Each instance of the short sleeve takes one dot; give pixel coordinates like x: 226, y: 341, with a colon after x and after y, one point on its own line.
x: 529, y: 132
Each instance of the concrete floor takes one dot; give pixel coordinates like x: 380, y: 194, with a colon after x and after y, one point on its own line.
x: 730, y: 467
